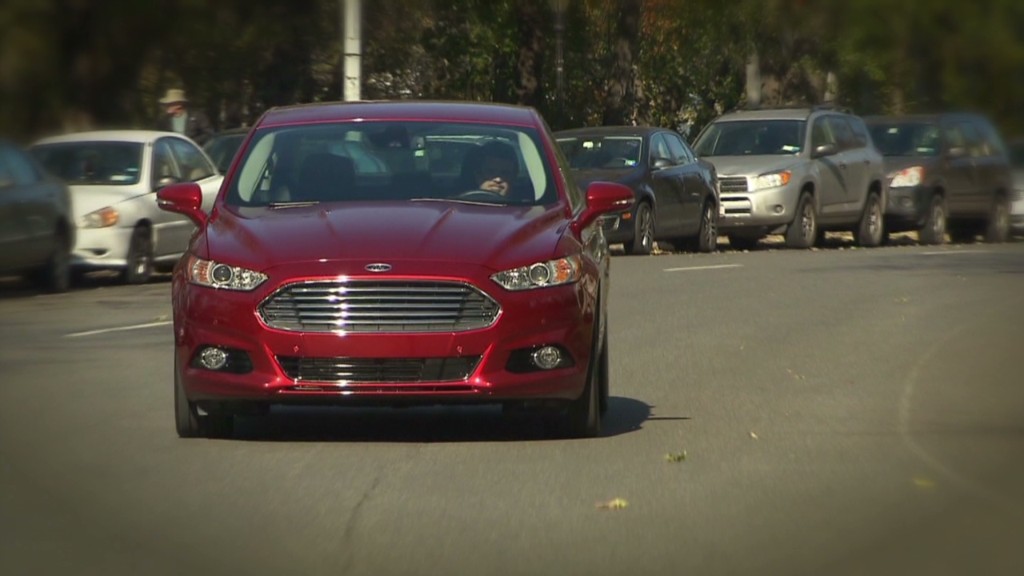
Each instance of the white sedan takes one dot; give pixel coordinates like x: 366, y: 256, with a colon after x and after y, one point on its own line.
x: 114, y: 176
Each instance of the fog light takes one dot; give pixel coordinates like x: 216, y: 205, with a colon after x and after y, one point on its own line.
x: 779, y: 208
x: 546, y: 357
x: 213, y: 358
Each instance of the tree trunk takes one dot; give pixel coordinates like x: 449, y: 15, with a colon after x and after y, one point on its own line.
x: 620, y: 100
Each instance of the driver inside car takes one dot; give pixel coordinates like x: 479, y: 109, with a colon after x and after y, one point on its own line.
x: 493, y: 166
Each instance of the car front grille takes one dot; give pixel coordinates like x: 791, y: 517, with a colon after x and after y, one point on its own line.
x: 378, y: 370
x: 733, y: 184
x: 378, y: 306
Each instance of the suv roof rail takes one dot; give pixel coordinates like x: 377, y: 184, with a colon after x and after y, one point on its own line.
x: 794, y: 105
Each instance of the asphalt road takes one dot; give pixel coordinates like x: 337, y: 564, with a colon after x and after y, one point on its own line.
x: 835, y: 411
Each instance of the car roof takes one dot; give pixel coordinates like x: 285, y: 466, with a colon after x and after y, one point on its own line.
x: 922, y: 117
x: 795, y: 113
x: 610, y: 131
x: 393, y: 110
x: 140, y: 136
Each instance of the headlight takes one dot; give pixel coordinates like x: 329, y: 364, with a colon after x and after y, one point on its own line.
x: 217, y: 275
x: 102, y: 218
x: 542, y: 274
x: 907, y: 178
x: 773, y: 180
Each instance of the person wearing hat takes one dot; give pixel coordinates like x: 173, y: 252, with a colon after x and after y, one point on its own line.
x: 180, y: 118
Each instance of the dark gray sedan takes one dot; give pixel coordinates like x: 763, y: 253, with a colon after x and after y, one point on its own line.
x: 677, y: 199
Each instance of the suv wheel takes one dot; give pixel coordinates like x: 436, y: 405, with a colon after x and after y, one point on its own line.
x: 934, y: 229
x: 643, y: 231
x: 998, y: 228
x: 869, y: 232
x: 803, y: 231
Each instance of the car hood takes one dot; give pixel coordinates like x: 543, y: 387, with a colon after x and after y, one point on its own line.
x: 627, y: 176
x: 86, y: 199
x: 894, y: 163
x: 752, y: 165
x: 492, y: 236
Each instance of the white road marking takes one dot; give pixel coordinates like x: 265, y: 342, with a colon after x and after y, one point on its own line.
x: 117, y: 329
x: 950, y: 252
x: 715, y: 267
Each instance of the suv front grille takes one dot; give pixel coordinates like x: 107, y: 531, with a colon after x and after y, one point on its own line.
x: 378, y: 306
x: 378, y: 370
x: 732, y: 184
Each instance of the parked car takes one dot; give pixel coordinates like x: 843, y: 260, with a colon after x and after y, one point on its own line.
x: 795, y: 171
x: 221, y: 147
x: 676, y: 192
x: 114, y: 176
x: 36, y: 223
x: 313, y: 282
x: 1017, y: 209
x: 947, y: 172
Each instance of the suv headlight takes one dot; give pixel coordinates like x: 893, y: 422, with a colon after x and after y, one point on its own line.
x: 907, y: 178
x: 541, y: 274
x: 217, y: 275
x: 102, y: 218
x: 772, y: 180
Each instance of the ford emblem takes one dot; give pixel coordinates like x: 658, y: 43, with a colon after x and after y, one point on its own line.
x: 377, y: 267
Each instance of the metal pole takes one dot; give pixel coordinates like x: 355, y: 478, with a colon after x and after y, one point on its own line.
x: 352, y: 20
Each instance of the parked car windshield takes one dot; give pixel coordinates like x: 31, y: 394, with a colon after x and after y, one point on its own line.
x: 389, y: 161
x: 751, y: 137
x: 906, y: 138
x: 602, y: 152
x: 88, y: 163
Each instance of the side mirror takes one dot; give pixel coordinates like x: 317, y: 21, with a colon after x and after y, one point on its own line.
x: 661, y: 163
x: 824, y: 150
x: 165, y: 182
x: 185, y: 198
x: 603, y: 198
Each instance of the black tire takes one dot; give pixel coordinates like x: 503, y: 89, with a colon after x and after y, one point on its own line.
x: 869, y: 232
x: 603, y: 377
x: 189, y: 423
x: 55, y: 276
x: 642, y: 242
x: 739, y: 242
x: 139, y: 267
x: 707, y: 235
x: 997, y: 230
x: 583, y: 416
x: 934, y: 229
x: 803, y: 230
x: 186, y: 417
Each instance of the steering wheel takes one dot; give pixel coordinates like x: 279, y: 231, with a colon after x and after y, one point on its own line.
x: 482, y: 195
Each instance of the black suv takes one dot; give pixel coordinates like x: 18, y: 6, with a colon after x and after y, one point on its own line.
x: 947, y: 172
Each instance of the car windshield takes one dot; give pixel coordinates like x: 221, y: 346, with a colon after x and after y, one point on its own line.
x: 905, y: 138
x: 395, y: 162
x: 602, y: 152
x: 222, y: 148
x: 751, y: 137
x: 92, y: 163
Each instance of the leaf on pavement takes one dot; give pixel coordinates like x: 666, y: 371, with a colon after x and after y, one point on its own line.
x: 613, y: 504
x: 675, y: 456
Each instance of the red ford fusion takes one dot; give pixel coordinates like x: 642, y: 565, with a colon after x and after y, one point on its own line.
x: 394, y: 253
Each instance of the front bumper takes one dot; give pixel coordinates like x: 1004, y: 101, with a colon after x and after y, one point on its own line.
x: 907, y: 208
x: 743, y: 208
x: 101, y: 247
x: 619, y: 227
x: 562, y: 316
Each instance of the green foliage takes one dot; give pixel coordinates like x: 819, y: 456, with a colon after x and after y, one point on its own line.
x: 71, y: 64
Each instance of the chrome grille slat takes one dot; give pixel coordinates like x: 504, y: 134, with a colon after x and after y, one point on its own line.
x: 378, y: 306
x: 378, y: 370
x: 733, y: 183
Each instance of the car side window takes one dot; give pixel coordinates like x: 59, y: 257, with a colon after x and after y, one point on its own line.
x: 19, y: 168
x: 680, y: 154
x: 6, y: 179
x: 163, y: 163
x: 821, y: 133
x: 860, y: 131
x: 191, y: 161
x: 842, y: 132
x: 975, y: 144
x: 659, y: 149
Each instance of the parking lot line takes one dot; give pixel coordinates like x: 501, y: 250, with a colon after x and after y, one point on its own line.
x: 117, y: 329
x: 715, y: 267
x: 947, y: 252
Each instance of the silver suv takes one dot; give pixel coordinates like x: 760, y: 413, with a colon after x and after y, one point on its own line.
x: 798, y: 172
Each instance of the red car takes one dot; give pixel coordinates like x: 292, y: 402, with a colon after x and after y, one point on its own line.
x: 394, y: 253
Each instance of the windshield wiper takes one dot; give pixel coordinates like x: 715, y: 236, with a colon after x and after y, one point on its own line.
x: 292, y: 204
